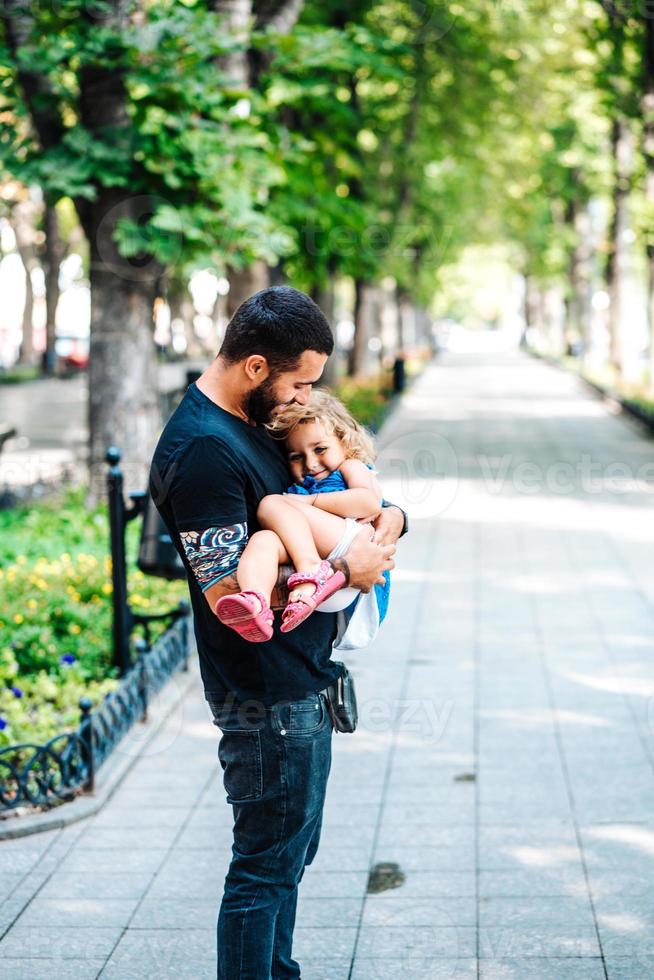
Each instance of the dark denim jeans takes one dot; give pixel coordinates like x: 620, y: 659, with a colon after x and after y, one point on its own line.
x: 276, y: 762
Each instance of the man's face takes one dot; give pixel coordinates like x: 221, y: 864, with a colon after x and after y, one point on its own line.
x: 279, y: 390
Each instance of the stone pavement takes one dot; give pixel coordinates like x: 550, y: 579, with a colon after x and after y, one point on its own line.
x: 49, y: 415
x: 504, y: 758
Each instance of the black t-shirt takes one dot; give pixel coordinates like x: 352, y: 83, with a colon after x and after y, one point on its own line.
x: 209, y: 472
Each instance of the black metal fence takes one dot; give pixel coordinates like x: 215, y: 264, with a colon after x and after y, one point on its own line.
x: 65, y: 766
x: 44, y: 775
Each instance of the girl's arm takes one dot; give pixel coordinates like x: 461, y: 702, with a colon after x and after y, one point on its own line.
x: 356, y: 474
x: 357, y: 503
x: 362, y: 499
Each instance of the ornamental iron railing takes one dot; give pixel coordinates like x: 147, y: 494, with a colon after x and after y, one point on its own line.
x: 46, y: 775
x: 65, y: 766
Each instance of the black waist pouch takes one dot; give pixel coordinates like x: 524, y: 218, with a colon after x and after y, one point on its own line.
x: 342, y: 702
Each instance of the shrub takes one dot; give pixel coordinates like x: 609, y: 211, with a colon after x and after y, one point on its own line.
x: 55, y: 621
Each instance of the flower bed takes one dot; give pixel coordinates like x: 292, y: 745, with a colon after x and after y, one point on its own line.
x: 55, y: 618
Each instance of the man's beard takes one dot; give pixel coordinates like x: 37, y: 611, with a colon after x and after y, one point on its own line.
x: 261, y: 402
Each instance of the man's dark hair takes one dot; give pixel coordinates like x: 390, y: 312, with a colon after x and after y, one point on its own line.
x: 279, y: 323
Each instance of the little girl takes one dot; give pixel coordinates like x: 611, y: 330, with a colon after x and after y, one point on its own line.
x: 330, y: 457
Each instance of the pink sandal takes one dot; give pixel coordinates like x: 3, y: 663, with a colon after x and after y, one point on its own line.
x: 299, y: 609
x: 238, y: 612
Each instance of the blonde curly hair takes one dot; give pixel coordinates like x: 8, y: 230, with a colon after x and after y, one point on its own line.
x: 333, y: 415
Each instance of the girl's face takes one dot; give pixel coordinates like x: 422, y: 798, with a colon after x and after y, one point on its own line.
x: 313, y: 452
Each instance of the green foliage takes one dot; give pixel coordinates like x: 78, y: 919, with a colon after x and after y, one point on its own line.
x: 377, y: 138
x: 57, y: 604
x: 197, y: 147
x: 367, y: 399
x: 324, y: 132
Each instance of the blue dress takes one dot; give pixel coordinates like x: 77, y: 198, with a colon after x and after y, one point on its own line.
x: 331, y: 484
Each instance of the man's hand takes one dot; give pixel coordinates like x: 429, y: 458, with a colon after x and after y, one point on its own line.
x: 365, y: 561
x: 279, y: 596
x: 388, y: 526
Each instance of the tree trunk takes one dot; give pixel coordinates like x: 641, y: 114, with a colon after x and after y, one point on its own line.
x: 181, y: 308
x: 123, y: 404
x: 27, y: 340
x: 423, y: 326
x: 356, y: 362
x: 325, y: 299
x: 23, y: 220
x: 578, y: 297
x: 237, y: 22
x: 123, y: 401
x: 53, y: 255
x: 621, y: 155
x: 243, y: 283
x: 243, y: 68
x: 530, y: 309
x: 405, y: 320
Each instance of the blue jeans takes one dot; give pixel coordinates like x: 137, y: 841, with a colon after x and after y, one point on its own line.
x: 276, y: 762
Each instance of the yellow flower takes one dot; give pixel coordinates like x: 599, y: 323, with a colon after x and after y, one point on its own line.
x: 18, y: 618
x: 74, y: 628
x: 32, y: 603
x: 107, y: 588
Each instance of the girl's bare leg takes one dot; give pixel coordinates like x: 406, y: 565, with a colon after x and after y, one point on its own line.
x: 259, y: 564
x: 308, y: 535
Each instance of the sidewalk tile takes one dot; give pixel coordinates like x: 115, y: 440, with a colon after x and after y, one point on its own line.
x: 138, y: 838
x: 312, y: 943
x: 49, y: 969
x: 102, y: 885
x: 391, y: 909
x: 143, y: 954
x: 93, y: 860
x: 327, y: 968
x: 544, y: 969
x: 333, y: 884
x: 427, y: 857
x: 632, y: 967
x: 319, y: 913
x: 539, y: 940
x: 412, y: 968
x: 78, y: 913
x: 536, y: 912
x: 173, y: 913
x: 416, y: 942
x: 58, y: 942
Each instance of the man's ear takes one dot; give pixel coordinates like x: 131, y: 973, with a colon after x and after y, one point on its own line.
x: 256, y: 368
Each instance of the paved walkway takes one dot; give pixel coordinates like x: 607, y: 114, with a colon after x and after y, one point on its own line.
x: 504, y: 760
x: 49, y: 415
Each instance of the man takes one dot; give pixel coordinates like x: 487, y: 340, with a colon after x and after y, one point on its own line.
x: 213, y: 464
